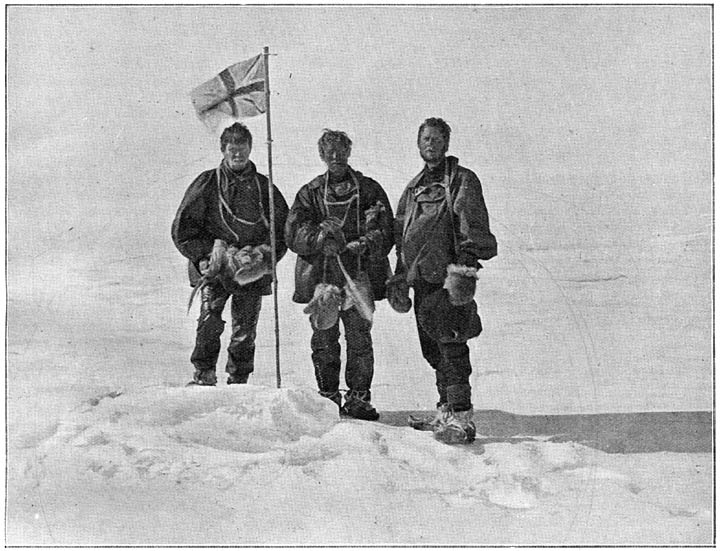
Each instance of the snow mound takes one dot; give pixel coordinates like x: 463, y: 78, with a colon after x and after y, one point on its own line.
x: 222, y: 435
x: 199, y: 434
x: 280, y: 466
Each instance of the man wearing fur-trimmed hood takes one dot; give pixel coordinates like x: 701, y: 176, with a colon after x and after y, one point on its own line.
x: 341, y: 221
x: 223, y: 228
x: 441, y: 231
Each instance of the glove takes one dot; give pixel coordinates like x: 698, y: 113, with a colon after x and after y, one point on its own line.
x: 331, y: 236
x: 331, y: 226
x: 266, y: 253
x: 460, y: 283
x: 358, y: 247
x: 330, y: 247
x: 398, y: 293
x: 372, y: 215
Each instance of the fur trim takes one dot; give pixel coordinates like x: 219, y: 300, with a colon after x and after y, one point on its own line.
x: 460, y: 283
x: 464, y: 271
x: 249, y: 263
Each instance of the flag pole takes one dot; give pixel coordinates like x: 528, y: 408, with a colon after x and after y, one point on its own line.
x: 271, y: 200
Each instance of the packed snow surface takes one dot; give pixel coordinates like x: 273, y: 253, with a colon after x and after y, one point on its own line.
x: 257, y: 465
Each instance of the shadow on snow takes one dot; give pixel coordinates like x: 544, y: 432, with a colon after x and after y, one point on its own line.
x: 681, y: 432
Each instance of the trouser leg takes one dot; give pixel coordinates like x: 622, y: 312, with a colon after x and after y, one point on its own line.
x: 209, y: 328
x: 245, y: 308
x: 325, y: 347
x: 360, y: 357
x: 430, y: 349
x: 456, y: 370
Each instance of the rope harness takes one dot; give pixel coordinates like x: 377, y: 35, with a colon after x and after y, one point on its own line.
x: 346, y: 205
x: 224, y: 207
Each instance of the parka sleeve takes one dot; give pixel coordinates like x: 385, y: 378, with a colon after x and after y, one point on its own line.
x: 281, y: 215
x: 188, y: 227
x: 302, y: 229
x: 398, y: 226
x: 473, y: 223
x: 379, y: 234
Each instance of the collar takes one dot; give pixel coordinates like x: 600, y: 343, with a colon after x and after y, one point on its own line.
x: 246, y: 173
x: 450, y: 164
x: 438, y: 171
x: 319, y: 181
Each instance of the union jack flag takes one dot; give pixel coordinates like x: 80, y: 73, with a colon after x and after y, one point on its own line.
x: 237, y: 92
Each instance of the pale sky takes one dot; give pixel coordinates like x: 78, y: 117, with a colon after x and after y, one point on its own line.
x: 606, y: 109
x: 589, y: 127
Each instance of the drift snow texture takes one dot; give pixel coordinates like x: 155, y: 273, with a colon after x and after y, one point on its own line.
x: 257, y: 465
x: 590, y: 129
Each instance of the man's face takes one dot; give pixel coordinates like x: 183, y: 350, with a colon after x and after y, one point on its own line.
x: 336, y: 157
x: 237, y: 155
x: 432, y: 145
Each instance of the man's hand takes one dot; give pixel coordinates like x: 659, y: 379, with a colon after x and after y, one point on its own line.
x: 359, y: 246
x: 203, y: 265
x: 331, y: 225
x: 331, y: 247
x: 332, y: 236
x: 398, y: 293
x: 372, y: 215
x: 216, y: 262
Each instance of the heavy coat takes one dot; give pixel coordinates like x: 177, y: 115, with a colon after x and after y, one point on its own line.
x: 303, y: 236
x: 203, y: 217
x: 423, y: 228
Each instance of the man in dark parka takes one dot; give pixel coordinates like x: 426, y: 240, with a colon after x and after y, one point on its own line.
x: 228, y: 205
x: 441, y: 231
x: 341, y: 212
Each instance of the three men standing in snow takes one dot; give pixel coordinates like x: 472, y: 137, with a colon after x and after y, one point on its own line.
x: 342, y: 229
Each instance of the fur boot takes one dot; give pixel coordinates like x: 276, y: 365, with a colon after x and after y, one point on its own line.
x: 456, y: 427
x: 429, y: 422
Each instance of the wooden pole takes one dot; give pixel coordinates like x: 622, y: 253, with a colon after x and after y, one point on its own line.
x: 271, y: 199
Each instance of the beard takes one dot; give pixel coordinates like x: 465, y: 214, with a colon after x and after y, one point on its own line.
x: 433, y: 157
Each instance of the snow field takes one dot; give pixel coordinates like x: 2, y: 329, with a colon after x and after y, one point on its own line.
x: 283, y: 460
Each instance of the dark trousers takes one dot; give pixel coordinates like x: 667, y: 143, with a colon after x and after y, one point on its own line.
x: 325, y: 347
x: 245, y: 311
x: 451, y: 361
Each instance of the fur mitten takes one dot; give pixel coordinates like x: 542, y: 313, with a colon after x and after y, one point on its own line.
x: 447, y: 323
x: 398, y: 293
x: 460, y: 283
x: 324, y: 308
x: 249, y: 263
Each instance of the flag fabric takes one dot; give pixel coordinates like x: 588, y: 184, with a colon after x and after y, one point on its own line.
x: 237, y: 92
